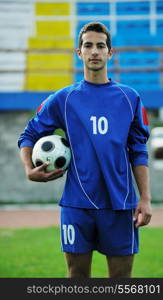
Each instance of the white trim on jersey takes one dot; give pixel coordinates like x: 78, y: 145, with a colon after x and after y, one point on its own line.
x: 133, y: 233
x: 66, y: 122
x: 127, y: 180
x: 128, y: 100
x: 61, y: 229
x: 132, y: 113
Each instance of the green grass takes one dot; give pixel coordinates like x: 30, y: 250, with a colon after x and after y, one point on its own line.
x: 35, y: 252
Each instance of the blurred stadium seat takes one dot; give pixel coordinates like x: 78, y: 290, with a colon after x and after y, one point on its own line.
x: 38, y: 38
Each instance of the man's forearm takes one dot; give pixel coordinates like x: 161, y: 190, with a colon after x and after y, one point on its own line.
x: 37, y: 173
x: 26, y: 154
x: 141, y: 174
x: 143, y: 211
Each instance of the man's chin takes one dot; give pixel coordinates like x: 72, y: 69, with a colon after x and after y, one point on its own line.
x: 95, y: 69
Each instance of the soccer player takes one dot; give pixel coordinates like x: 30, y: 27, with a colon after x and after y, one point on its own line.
x: 107, y: 129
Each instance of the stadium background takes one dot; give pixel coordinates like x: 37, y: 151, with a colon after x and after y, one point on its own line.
x: 37, y: 57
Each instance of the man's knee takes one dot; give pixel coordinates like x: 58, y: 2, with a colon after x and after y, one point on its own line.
x: 78, y: 272
x: 79, y: 265
x: 120, y: 266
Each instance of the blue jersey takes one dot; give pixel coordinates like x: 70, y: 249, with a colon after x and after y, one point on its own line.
x: 107, y: 129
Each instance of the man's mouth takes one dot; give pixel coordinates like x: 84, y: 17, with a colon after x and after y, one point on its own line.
x: 94, y: 60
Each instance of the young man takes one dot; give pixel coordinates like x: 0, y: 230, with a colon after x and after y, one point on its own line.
x: 106, y: 126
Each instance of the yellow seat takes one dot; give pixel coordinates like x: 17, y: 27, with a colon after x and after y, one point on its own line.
x: 45, y: 81
x: 57, y: 29
x: 50, y: 43
x: 52, y: 70
x: 49, y: 61
x: 52, y: 9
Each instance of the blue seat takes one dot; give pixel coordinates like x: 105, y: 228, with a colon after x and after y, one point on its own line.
x: 92, y: 8
x: 129, y: 33
x: 159, y: 7
x: 140, y: 59
x: 131, y: 8
x: 141, y: 80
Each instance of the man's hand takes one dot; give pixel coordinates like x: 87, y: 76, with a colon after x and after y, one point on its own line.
x: 143, y: 210
x: 39, y: 174
x: 143, y: 213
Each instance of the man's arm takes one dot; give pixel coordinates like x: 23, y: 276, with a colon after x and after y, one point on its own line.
x: 37, y: 174
x: 143, y: 210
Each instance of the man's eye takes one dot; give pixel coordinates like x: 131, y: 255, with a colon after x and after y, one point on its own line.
x: 87, y: 46
x: 101, y: 46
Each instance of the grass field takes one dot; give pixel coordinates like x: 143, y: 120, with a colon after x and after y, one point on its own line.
x: 35, y: 252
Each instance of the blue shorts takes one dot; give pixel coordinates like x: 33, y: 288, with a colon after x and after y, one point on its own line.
x: 109, y: 232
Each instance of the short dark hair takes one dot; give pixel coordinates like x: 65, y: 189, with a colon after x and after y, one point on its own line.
x: 97, y: 27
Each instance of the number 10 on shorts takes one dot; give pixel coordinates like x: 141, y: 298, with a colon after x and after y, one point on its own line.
x: 68, y: 234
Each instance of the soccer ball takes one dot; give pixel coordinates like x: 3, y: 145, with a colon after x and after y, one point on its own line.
x: 54, y: 149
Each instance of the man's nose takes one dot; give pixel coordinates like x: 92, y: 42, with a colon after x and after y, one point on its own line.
x: 94, y: 51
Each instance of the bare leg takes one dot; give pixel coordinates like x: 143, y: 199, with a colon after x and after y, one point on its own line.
x: 120, y: 266
x: 79, y: 265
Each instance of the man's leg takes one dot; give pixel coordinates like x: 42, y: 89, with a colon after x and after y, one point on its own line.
x: 120, y: 266
x: 79, y: 265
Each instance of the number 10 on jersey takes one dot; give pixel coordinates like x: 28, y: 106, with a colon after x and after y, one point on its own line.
x: 99, y: 125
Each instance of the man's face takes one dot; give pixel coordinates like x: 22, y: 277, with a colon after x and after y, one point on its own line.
x: 94, y: 51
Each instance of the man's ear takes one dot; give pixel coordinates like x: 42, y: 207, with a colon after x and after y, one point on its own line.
x: 110, y: 53
x: 78, y: 51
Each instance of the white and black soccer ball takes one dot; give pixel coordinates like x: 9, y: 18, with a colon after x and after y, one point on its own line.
x: 54, y: 149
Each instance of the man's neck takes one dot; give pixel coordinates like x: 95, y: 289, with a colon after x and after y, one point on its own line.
x: 96, y: 77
